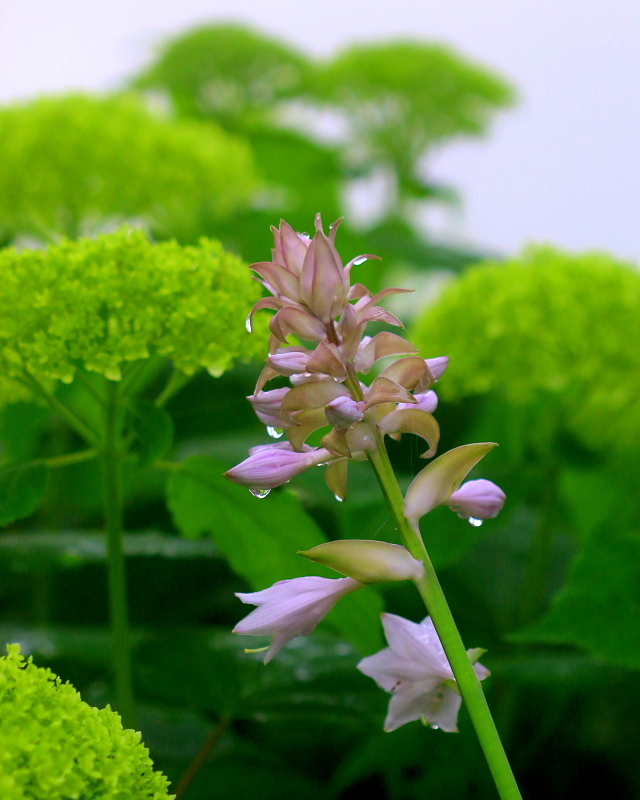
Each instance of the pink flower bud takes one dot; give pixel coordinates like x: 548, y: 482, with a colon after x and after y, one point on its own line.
x: 479, y: 499
x: 289, y: 363
x: 343, y: 412
x: 427, y: 401
x: 438, y: 365
x: 267, y: 405
x: 273, y: 465
x: 292, y: 608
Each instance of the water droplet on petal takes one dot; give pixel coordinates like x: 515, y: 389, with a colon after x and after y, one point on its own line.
x: 361, y: 260
x: 475, y: 522
x: 247, y: 324
x: 274, y: 433
x: 260, y: 493
x: 338, y: 498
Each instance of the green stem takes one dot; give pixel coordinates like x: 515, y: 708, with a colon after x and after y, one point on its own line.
x: 120, y: 637
x: 74, y: 421
x: 436, y: 603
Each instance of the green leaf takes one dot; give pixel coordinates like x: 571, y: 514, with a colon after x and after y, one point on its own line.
x: 154, y: 432
x: 261, y: 539
x: 21, y: 489
x: 599, y: 607
x: 21, y: 426
x: 40, y: 551
x: 208, y: 669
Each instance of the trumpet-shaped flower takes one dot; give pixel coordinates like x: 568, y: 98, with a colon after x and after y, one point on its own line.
x: 292, y: 608
x: 415, y: 669
x: 479, y: 499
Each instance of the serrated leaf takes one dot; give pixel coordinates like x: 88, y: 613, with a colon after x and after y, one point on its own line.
x: 21, y: 489
x: 261, y: 539
x: 153, y: 428
x: 599, y: 607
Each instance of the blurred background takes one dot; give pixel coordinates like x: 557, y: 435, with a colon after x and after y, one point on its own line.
x: 488, y: 152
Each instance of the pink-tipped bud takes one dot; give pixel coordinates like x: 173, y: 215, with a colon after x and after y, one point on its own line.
x: 273, y: 465
x: 343, y: 412
x: 479, y: 499
x: 289, y: 363
x: 438, y: 365
x: 267, y: 405
x: 427, y: 401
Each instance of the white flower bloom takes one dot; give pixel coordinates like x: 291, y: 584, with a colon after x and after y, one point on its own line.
x: 292, y: 608
x: 414, y: 669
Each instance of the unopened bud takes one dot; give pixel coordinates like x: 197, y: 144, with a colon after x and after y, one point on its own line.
x: 479, y: 499
x: 274, y: 465
x: 366, y: 560
x: 438, y: 365
x: 343, y: 412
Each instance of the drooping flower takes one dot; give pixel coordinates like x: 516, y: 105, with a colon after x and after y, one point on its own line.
x: 272, y: 465
x: 292, y: 608
x: 415, y: 669
x: 479, y: 499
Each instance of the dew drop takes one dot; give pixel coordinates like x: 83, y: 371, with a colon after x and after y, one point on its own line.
x: 338, y: 498
x: 247, y: 324
x: 361, y: 260
x: 435, y: 727
x: 475, y: 522
x: 260, y: 493
x: 274, y: 433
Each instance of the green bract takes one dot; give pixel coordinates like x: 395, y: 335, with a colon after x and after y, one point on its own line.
x: 119, y: 298
x: 54, y: 746
x: 76, y: 163
x: 547, y: 323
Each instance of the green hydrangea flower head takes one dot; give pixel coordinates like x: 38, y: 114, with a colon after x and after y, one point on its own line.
x: 54, y: 746
x: 118, y: 298
x: 546, y: 323
x: 74, y: 164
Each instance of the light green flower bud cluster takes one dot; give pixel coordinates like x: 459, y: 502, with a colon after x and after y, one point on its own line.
x: 547, y: 323
x: 119, y: 298
x: 54, y: 746
x: 73, y: 164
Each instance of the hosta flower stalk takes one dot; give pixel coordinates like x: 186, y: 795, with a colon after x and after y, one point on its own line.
x: 331, y: 398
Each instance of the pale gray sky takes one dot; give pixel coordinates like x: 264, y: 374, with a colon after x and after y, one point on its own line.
x: 562, y: 167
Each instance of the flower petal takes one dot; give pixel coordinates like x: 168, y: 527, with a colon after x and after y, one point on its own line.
x: 411, y: 701
x: 413, y: 420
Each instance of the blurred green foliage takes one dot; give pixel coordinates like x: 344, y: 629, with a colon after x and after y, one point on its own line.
x: 402, y: 98
x: 94, y: 163
x: 54, y: 745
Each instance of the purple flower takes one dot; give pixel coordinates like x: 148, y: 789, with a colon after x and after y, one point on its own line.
x: 343, y: 412
x: 267, y: 405
x: 292, y: 608
x: 479, y: 499
x: 427, y: 401
x: 415, y: 669
x: 272, y: 465
x: 438, y: 365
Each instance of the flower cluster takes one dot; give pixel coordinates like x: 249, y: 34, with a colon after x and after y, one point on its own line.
x: 103, y: 302
x: 54, y: 745
x: 552, y: 332
x: 314, y: 301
